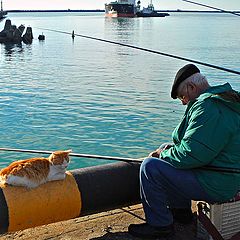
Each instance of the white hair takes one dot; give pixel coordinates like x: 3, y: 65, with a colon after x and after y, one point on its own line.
x: 198, y: 79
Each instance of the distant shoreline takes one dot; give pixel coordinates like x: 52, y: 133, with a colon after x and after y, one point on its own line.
x: 99, y: 10
x: 66, y: 10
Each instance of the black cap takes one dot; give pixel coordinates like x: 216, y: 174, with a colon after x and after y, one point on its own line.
x: 182, y: 75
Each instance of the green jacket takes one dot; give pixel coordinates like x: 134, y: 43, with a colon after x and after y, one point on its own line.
x: 209, y: 134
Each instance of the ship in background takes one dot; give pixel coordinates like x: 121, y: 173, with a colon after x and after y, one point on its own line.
x: 149, y: 11
x: 2, y: 13
x: 128, y: 8
x: 120, y: 8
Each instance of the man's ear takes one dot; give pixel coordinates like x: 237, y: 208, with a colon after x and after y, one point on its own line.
x: 193, y: 87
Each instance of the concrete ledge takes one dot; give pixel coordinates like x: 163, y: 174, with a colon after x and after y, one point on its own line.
x: 102, y: 226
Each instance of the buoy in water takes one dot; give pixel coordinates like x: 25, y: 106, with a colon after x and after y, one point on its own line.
x: 41, y: 37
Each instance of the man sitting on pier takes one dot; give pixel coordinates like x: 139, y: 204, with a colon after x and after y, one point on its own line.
x: 208, y: 137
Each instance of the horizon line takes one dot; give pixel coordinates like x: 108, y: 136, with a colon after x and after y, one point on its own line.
x: 102, y: 10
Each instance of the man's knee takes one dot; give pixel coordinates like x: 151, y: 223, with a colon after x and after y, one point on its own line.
x: 149, y: 166
x: 147, y: 163
x: 154, y: 166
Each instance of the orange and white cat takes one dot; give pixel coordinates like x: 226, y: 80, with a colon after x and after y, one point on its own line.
x: 33, y: 172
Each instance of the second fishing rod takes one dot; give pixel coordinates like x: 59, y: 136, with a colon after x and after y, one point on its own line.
x: 145, y: 50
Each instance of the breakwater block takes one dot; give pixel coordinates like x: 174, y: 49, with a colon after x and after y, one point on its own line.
x: 82, y: 192
x: 12, y: 34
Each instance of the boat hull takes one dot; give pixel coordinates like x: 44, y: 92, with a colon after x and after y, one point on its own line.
x: 154, y: 14
x: 115, y: 15
x: 119, y: 10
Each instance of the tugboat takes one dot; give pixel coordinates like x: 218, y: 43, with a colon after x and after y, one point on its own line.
x: 149, y: 11
x: 120, y: 8
x: 2, y: 13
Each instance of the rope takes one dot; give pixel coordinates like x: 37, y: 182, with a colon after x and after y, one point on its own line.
x: 147, y: 50
x: 206, y: 222
x: 203, y: 5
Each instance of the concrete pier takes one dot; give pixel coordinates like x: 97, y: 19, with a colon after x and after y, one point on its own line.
x: 109, y: 225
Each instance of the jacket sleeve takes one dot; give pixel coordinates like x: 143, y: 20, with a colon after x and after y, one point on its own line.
x: 204, y: 138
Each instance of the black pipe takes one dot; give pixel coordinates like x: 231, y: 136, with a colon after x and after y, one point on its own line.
x: 107, y: 186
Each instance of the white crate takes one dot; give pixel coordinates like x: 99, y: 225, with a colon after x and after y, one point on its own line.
x: 225, y: 217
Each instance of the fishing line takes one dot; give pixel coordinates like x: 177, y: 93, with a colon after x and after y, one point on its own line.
x: 138, y: 160
x: 147, y: 50
x: 203, y: 5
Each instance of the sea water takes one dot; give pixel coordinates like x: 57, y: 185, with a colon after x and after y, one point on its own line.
x: 99, y: 98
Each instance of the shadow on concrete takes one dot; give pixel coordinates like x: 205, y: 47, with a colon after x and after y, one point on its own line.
x: 122, y: 236
x: 182, y: 232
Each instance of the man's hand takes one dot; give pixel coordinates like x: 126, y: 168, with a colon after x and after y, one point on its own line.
x: 155, y: 153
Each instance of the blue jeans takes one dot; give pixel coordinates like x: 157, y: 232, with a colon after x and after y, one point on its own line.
x: 163, y: 187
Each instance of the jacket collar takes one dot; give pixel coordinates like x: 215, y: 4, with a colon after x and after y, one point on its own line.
x: 215, y: 90
x: 212, y: 93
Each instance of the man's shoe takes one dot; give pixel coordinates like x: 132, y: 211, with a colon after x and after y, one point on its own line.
x: 146, y: 231
x: 182, y: 215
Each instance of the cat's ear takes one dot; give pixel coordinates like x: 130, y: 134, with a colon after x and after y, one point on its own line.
x: 68, y: 151
x: 51, y: 156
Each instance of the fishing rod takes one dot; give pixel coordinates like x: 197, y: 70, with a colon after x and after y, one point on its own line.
x: 147, y: 50
x: 75, y: 155
x: 203, y: 5
x: 138, y: 160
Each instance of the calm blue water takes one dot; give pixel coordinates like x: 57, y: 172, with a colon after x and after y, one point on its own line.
x: 99, y: 98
